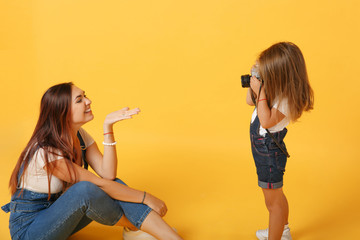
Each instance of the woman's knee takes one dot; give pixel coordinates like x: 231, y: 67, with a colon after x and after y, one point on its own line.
x: 84, y: 185
x: 86, y: 189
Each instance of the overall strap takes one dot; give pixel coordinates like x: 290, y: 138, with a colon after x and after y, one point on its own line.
x: 83, y: 150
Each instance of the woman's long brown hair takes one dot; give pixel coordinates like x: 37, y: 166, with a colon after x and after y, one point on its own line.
x: 52, y: 133
x: 282, y: 67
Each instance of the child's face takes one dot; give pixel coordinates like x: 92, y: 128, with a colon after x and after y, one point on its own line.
x: 255, y: 70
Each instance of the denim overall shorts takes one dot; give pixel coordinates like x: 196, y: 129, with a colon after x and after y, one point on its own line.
x: 270, y: 161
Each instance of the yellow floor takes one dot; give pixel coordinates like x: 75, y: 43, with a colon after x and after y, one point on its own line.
x: 231, y: 206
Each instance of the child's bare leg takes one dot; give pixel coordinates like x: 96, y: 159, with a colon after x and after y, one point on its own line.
x: 278, y: 208
x: 156, y: 226
x: 286, y: 213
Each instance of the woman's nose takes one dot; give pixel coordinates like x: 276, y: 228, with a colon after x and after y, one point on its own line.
x: 88, y: 101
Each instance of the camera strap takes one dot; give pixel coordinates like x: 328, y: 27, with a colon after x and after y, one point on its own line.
x: 267, y: 130
x: 277, y: 143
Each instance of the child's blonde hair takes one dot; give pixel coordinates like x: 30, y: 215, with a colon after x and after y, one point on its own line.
x: 282, y: 67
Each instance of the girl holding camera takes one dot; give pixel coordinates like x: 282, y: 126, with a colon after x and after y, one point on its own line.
x: 53, y: 196
x: 280, y: 95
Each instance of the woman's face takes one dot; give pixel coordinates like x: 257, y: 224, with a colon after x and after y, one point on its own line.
x: 80, y: 107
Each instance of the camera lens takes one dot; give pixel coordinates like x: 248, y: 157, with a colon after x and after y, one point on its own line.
x: 245, y: 81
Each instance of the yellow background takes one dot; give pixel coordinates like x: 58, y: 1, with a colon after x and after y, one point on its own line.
x: 180, y: 62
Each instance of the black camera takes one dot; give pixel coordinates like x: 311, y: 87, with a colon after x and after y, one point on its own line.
x: 245, y: 79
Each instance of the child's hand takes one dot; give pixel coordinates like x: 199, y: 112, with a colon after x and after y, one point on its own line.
x: 255, y: 84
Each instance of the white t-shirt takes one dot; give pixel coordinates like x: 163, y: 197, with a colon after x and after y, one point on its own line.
x: 284, y: 109
x: 36, y: 178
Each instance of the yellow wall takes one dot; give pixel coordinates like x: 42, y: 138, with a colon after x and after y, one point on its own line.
x: 180, y: 62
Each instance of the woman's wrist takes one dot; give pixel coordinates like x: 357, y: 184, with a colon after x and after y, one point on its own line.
x: 108, y: 135
x: 145, y: 198
x: 107, y: 128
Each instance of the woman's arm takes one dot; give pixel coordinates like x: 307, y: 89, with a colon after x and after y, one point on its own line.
x: 114, y: 189
x: 267, y: 117
x: 106, y: 165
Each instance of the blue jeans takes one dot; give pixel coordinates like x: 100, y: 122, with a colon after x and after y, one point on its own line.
x: 33, y: 216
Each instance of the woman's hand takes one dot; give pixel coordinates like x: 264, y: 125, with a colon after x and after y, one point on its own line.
x: 122, y: 114
x: 155, y: 204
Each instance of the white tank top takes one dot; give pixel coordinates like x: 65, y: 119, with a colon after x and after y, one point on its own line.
x: 35, y: 178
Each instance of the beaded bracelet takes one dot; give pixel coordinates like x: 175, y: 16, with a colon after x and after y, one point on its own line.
x: 263, y: 99
x: 109, y: 144
x: 108, y: 133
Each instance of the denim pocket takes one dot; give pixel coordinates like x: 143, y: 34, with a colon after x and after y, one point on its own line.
x: 25, y: 210
x: 21, y: 217
x: 281, y: 160
x: 22, y: 214
x: 259, y: 145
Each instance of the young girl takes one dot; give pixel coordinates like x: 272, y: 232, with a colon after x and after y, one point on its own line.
x: 281, y: 94
x: 53, y: 197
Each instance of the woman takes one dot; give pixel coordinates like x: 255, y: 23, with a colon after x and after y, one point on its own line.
x: 53, y: 196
